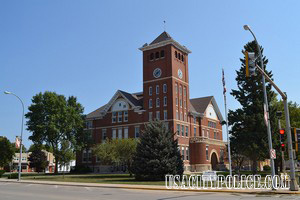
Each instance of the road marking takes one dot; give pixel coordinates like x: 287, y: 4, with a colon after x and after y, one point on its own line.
x: 28, y: 185
x: 55, y: 186
x: 87, y: 188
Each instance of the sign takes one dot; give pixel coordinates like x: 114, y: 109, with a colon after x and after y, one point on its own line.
x: 209, y: 176
x: 273, y: 153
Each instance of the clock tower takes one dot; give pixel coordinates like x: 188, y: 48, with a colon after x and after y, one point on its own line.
x: 166, y: 80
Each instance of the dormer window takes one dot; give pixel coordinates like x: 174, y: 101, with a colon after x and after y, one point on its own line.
x: 162, y: 53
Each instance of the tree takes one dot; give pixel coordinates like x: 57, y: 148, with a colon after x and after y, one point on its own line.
x: 120, y: 152
x: 66, y: 154
x: 17, y: 150
x: 7, y: 152
x: 248, y: 127
x: 53, y: 119
x: 157, y: 153
x: 38, y: 159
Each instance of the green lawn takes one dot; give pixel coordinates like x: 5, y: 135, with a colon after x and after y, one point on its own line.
x: 95, y: 178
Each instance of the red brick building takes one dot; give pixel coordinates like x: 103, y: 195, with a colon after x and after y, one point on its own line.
x: 165, y: 96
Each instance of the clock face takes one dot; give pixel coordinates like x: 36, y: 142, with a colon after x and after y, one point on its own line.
x: 157, y: 73
x: 180, y: 74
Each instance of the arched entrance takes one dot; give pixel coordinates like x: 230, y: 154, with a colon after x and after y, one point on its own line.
x: 214, y: 161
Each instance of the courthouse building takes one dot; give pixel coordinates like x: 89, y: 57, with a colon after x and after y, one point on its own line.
x: 165, y: 96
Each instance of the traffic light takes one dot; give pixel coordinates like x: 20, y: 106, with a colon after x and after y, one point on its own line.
x: 281, y: 131
x: 282, y: 147
x: 250, y: 63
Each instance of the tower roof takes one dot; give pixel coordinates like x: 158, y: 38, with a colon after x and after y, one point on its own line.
x: 164, y: 39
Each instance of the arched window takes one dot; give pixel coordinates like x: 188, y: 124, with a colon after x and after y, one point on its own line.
x: 156, y: 55
x: 162, y: 53
x: 151, y: 56
x: 182, y: 58
x: 176, y: 54
x: 179, y: 56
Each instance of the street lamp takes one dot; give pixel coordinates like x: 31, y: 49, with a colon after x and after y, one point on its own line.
x: 266, y: 107
x: 21, y: 141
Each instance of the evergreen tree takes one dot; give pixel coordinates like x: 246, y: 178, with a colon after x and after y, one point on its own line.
x: 157, y: 153
x: 249, y: 132
x: 38, y: 159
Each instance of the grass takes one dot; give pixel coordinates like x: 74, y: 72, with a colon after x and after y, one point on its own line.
x: 94, y: 178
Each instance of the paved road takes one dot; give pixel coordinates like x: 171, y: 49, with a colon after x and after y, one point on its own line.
x: 22, y: 191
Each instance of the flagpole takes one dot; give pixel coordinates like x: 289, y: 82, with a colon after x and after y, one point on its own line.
x: 226, y: 115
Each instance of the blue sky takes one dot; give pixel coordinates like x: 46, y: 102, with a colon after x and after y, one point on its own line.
x: 89, y: 49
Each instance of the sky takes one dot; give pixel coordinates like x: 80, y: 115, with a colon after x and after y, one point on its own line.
x: 89, y: 49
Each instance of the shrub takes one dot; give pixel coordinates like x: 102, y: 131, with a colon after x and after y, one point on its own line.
x: 13, y: 176
x: 267, y: 168
x: 81, y: 169
x: 2, y: 172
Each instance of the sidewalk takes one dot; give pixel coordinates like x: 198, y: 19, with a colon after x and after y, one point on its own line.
x: 147, y: 187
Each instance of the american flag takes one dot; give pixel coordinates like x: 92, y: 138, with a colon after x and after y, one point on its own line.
x: 223, y: 80
x: 18, y: 142
x: 265, y: 115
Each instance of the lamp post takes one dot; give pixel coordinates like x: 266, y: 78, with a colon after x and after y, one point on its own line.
x: 247, y: 28
x: 21, y: 140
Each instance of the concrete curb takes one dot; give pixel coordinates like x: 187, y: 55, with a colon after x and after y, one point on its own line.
x: 148, y: 187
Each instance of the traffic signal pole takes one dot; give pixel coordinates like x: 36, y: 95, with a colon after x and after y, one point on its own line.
x: 293, y: 185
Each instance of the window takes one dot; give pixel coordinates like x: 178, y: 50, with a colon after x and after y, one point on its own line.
x: 180, y: 90
x: 180, y: 115
x: 186, y: 131
x: 156, y: 55
x: 103, y: 135
x: 151, y: 56
x: 178, y: 129
x: 120, y: 133
x: 184, y: 119
x: 157, y: 89
x: 158, y: 115
x: 150, y: 116
x: 182, y: 58
x: 89, y: 124
x: 187, y: 153
x: 179, y: 56
x: 87, y: 156
x: 182, y: 130
x: 125, y: 116
x: 165, y: 88
x: 125, y: 133
x: 195, y: 120
x: 150, y: 103
x: 176, y: 101
x: 177, y: 114
x: 137, y: 132
x: 176, y: 88
x: 182, y: 153
x: 162, y: 53
x: 157, y: 102
x: 114, y: 117
x: 150, y: 91
x: 165, y: 101
x: 180, y: 103
x: 184, y: 91
x: 195, y: 131
x: 114, y: 133
x: 215, y: 134
x: 120, y: 116
x: 206, y: 150
x: 203, y: 132
x: 184, y: 103
x: 207, y: 133
x: 176, y: 55
x: 165, y: 115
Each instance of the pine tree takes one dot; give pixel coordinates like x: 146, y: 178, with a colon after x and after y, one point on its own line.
x: 249, y: 132
x: 157, y: 153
